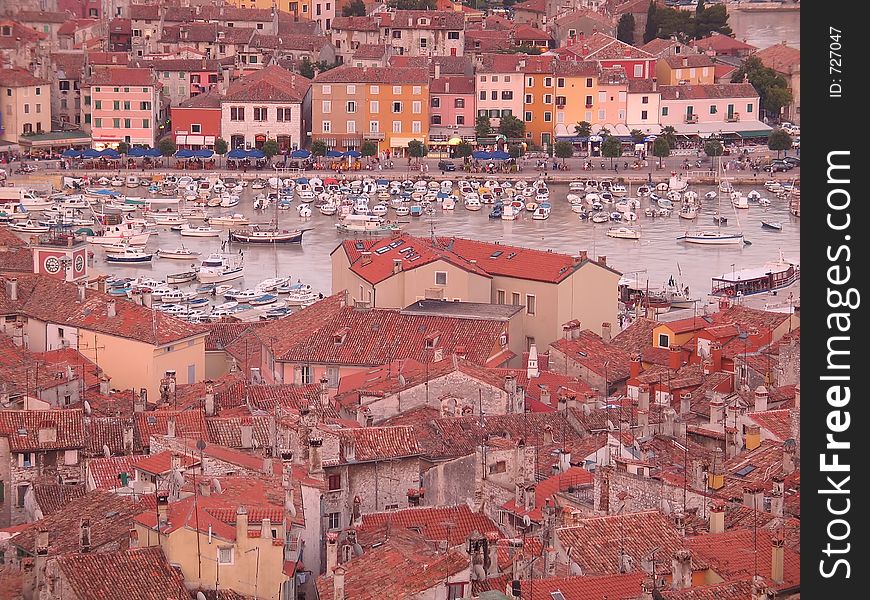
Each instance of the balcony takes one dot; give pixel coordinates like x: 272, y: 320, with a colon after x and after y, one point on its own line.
x: 373, y: 135
x: 691, y: 118
x: 732, y: 118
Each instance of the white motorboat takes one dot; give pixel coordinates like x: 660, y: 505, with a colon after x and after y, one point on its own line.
x: 688, y: 211
x: 738, y: 200
x: 448, y: 203
x: 168, y: 220
x: 179, y: 278
x: 29, y: 226
x: 473, y: 204
x: 230, y: 220
x: 132, y: 181
x: 623, y: 233
x: 541, y: 213
x: 711, y: 238
x: 509, y: 213
x: 600, y: 217
x: 117, y: 181
x: 328, y: 209
x: 201, y: 231
x: 130, y: 255
x: 304, y: 211
x: 181, y: 253
x: 219, y: 267
x: 125, y: 232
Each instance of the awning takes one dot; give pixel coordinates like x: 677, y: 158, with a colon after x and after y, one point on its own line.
x: 402, y: 142
x: 754, y: 133
x: 717, y: 127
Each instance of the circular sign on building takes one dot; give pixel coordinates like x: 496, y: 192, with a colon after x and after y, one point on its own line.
x: 79, y: 264
x: 51, y: 264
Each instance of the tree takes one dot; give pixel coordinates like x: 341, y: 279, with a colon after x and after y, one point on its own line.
x: 511, y: 127
x: 516, y: 150
x: 220, y: 146
x: 713, y: 147
x: 417, y: 149
x: 651, y: 29
x: 604, y: 132
x: 482, y: 127
x: 462, y: 150
x: 661, y: 149
x: 710, y: 19
x: 167, y: 146
x: 123, y: 147
x: 306, y: 68
x: 772, y: 87
x: 625, y: 29
x: 779, y: 140
x: 412, y: 4
x: 356, y: 8
x: 637, y: 136
x: 611, y: 148
x: 670, y: 134
x: 564, y: 150
x: 700, y: 7
x: 318, y: 148
x: 583, y: 129
x: 369, y: 148
x: 270, y: 148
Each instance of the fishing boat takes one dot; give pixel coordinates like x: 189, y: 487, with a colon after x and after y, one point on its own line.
x: 775, y: 225
x: 178, y: 278
x: 168, y: 220
x: 181, y: 253
x: 276, y: 312
x: 205, y: 288
x: 263, y: 300
x: 130, y: 255
x: 541, y: 213
x: 233, y: 219
x: 369, y: 224
x: 29, y: 226
x: 772, y: 276
x: 496, y: 211
x: 255, y: 234
x: 219, y: 267
x: 124, y: 232
x: 688, y: 211
x: 116, y: 248
x: 201, y: 231
x: 241, y: 295
x: 623, y: 233
x: 600, y: 217
x: 677, y: 293
x: 302, y: 297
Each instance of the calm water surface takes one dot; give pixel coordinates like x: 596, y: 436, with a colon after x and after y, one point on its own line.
x: 653, y: 258
x: 763, y: 29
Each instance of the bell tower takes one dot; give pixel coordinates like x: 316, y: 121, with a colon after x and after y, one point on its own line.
x: 63, y: 256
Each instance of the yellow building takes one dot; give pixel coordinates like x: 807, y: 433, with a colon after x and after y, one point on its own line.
x: 134, y: 345
x: 322, y: 11
x: 539, y: 94
x: 691, y: 69
x: 576, y: 92
x: 25, y: 105
x: 390, y: 106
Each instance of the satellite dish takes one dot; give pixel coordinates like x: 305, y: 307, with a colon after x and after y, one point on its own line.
x: 200, y: 596
x: 216, y: 486
x: 527, y: 521
x: 87, y: 408
x: 106, y: 452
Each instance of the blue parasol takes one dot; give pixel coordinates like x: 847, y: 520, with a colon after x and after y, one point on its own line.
x: 353, y: 153
x: 91, y: 153
x: 204, y: 153
x: 136, y: 152
x: 255, y: 153
x: 334, y: 154
x: 110, y: 153
x: 481, y: 155
x: 300, y: 154
x: 500, y: 155
x: 72, y: 153
x: 237, y: 154
x: 184, y: 153
x: 153, y: 153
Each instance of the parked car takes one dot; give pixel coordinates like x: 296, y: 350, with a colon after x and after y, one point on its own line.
x: 792, y: 160
x: 778, y: 166
x: 446, y: 165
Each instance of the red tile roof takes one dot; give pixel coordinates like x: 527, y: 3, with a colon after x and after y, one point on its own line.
x: 71, y: 26
x: 721, y: 43
x: 524, y: 33
x: 756, y: 468
x: 355, y: 24
x: 14, y: 78
x: 624, y: 586
x: 142, y: 574
x: 546, y: 489
x: 605, y: 47
x: 109, y: 514
x: 733, y: 555
x: 161, y: 463
x: 108, y: 59
x: 270, y: 84
x: 207, y: 33
x: 107, y: 432
x: 211, y: 100
x: 104, y: 471
x: 188, y: 424
x: 52, y: 497
x: 404, y: 566
x: 121, y: 76
x: 452, y: 85
x: 683, y: 61
x: 437, y: 19
x: 22, y: 428
x: 375, y: 336
x: 709, y: 91
x: 370, y: 51
x: 20, y: 35
x: 42, y: 16
x: 384, y: 75
x: 727, y: 590
x: 659, y: 46
x: 378, y: 443
x: 636, y: 337
x: 591, y: 351
x: 431, y: 521
x: 538, y: 6
x: 596, y: 543
x: 780, y: 58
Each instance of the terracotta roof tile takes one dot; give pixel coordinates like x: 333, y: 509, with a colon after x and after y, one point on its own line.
x: 270, y: 84
x: 20, y: 35
x: 370, y: 52
x: 121, y: 76
x: 108, y: 59
x: 143, y: 574
x: 227, y: 431
x: 430, y: 521
x: 378, y: 443
x: 410, y: 19
x: 52, y: 497
x: 708, y: 91
x: 188, y: 424
x: 538, y: 6
x: 107, y: 432
x: 22, y: 429
x: 104, y: 471
x: 756, y: 468
x: 727, y: 590
x: 209, y: 100
x: 721, y: 43
x: 659, y: 46
x: 355, y: 24
x: 780, y: 58
x: 206, y: 32
x: 635, y: 338
x: 42, y: 16
x: 19, y: 78
x: 591, y: 351
x: 624, y: 586
x: 605, y: 47
x: 161, y: 463
x: 546, y: 489
x: 385, y: 75
x: 682, y: 61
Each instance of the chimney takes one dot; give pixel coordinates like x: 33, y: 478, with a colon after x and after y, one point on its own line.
x: 685, y: 403
x: 139, y: 401
x: 788, y: 453
x: 777, y: 563
x: 605, y: 331
x: 643, y: 422
x: 776, y: 500
x: 137, y: 297
x: 717, y: 518
x: 80, y: 291
x: 716, y: 356
x: 315, y: 446
x: 760, y: 399
x: 670, y: 416
x: 492, y: 552
x: 170, y: 427
x: 127, y: 435
x: 675, y: 358
x: 655, y: 84
x: 323, y: 392
x: 447, y: 91
x: 209, y: 400
x: 332, y: 552
x: 753, y: 436
x: 602, y: 260
x: 246, y: 431
x: 241, y: 523
x: 681, y: 570
x: 85, y: 535
x: 635, y: 368
x: 732, y: 444
x: 677, y: 94
x: 204, y: 487
x: 104, y: 385
x: 287, y: 484
x: 759, y: 589
x: 532, y: 367
x: 175, y: 461
x: 338, y: 582
x: 147, y: 300
x: 716, y: 477
x: 42, y: 542
x: 268, y: 466
x: 437, y: 70
x: 510, y: 385
x: 545, y: 395
x: 717, y: 410
x: 753, y: 498
x: 646, y: 589
x: 12, y: 289
x: 583, y: 255
x: 266, y: 528
x: 797, y: 397
x: 397, y: 265
x: 643, y: 397
x: 162, y: 508
x: 686, y: 61
x: 548, y: 435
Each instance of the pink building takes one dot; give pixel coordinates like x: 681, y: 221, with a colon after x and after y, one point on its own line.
x: 124, y: 107
x: 85, y: 9
x: 720, y: 108
x: 451, y: 108
x: 610, y: 52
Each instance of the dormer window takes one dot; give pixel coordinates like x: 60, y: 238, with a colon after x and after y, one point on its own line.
x: 423, y: 21
x: 340, y: 336
x: 6, y: 31
x: 432, y: 339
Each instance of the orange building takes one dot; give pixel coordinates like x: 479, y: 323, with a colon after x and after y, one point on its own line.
x: 539, y: 100
x: 389, y: 106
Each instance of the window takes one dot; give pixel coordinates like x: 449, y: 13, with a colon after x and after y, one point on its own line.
x: 334, y: 520
x: 417, y: 90
x: 326, y: 127
x: 127, y: 123
x: 332, y: 376
x: 560, y: 82
x: 27, y: 460
x: 351, y: 89
x: 334, y: 482
x: 39, y: 108
x: 460, y: 120
x: 527, y: 116
x: 749, y: 108
x: 351, y: 107
x: 22, y: 492
x: 602, y: 96
x: 63, y: 85
x: 397, y: 34
x: 495, y: 78
x: 26, y: 108
x: 416, y: 107
x: 530, y: 341
x: 237, y: 113
x: 548, y: 82
x: 416, y: 127
x: 436, y: 102
x: 97, y: 122
x: 588, y: 101
x: 452, y: 35
x: 692, y: 73
x: 664, y: 111
x: 146, y: 124
x: 436, y: 119
x: 351, y: 126
x: 283, y: 114
x: 548, y: 117
x: 507, y: 95
x: 713, y: 109
x: 225, y: 555
x: 530, y: 304
x: 459, y: 103
x: 483, y: 78
x: 588, y: 82
x: 602, y: 115
x: 483, y: 95
x: 374, y: 127
x: 493, y: 95
x: 144, y: 106
x: 530, y: 82
x: 455, y: 591
x: 397, y: 107
x: 397, y: 89
x: 643, y: 115
x: 664, y: 341
x: 548, y: 98
x: 515, y: 298
x: 116, y: 105
x: 440, y: 277
x: 505, y: 112
x: 638, y: 70
x: 327, y: 106
x: 327, y: 89
x: 397, y: 127
x: 116, y: 123
x: 499, y: 467
x: 374, y: 107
